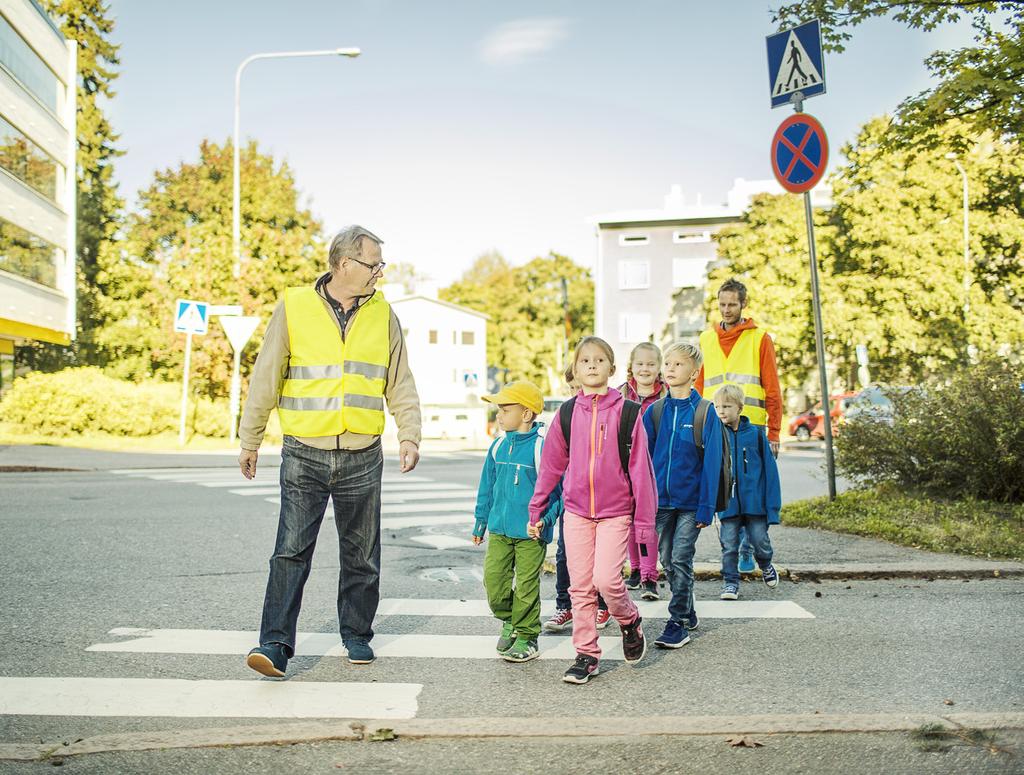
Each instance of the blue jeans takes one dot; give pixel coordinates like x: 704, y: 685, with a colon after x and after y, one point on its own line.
x: 310, y: 476
x: 562, y: 600
x: 757, y: 533
x: 677, y: 541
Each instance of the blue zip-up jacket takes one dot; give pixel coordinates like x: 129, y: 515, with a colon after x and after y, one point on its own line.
x: 683, y: 483
x: 506, y: 487
x: 756, y: 490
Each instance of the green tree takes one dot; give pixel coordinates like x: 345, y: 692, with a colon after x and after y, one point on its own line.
x: 982, y: 85
x: 178, y: 245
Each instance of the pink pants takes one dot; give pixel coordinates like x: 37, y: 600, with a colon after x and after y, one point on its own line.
x: 595, y: 550
x: 648, y: 566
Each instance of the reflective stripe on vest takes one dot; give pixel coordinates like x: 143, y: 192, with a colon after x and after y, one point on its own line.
x: 334, y: 386
x: 741, y: 368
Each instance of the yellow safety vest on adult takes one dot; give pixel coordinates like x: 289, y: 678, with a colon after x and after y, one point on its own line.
x: 742, y: 367
x: 334, y: 385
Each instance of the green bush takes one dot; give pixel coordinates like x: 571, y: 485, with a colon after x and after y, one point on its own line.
x: 80, y: 401
x: 961, y: 439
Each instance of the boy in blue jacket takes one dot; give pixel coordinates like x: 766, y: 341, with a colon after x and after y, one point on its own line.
x: 502, y: 507
x: 756, y: 497
x: 687, y: 480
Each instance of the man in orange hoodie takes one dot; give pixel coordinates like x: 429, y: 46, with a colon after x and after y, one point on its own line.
x: 737, y: 352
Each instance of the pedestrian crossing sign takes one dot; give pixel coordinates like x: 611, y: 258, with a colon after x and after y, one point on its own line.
x: 191, y: 317
x: 796, y: 64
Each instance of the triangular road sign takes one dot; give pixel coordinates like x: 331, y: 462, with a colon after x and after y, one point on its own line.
x: 239, y: 328
x: 190, y: 316
x: 797, y: 71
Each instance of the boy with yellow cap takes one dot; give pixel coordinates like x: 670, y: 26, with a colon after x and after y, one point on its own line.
x: 513, y: 562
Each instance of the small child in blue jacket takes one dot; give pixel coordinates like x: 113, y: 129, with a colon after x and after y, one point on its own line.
x: 502, y: 507
x: 756, y: 496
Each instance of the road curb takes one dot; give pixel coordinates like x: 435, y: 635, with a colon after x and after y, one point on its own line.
x: 504, y: 727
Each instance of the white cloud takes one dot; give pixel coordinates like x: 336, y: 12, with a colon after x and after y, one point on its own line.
x: 513, y: 42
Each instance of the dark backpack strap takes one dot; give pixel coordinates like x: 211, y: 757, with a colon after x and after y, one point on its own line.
x: 630, y: 413
x: 565, y: 419
x: 700, y: 416
x: 657, y: 410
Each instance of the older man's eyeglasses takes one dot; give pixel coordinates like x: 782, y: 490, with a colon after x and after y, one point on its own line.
x: 377, y: 268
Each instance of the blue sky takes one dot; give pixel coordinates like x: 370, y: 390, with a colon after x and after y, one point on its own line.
x: 467, y: 125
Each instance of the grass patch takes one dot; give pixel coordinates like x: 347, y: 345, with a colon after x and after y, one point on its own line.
x: 934, y: 738
x: 971, y: 527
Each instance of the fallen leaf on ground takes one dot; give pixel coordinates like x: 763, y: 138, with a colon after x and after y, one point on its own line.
x: 381, y: 735
x: 948, y: 702
x: 744, y: 741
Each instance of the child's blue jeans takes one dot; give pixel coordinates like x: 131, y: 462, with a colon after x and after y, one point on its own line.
x: 677, y: 541
x: 756, y: 528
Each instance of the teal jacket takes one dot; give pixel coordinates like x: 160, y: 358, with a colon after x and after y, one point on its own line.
x: 506, y: 486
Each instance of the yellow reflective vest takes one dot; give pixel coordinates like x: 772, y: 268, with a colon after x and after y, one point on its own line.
x: 742, y: 367
x: 334, y: 385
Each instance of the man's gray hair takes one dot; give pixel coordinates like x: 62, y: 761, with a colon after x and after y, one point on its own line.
x: 349, y: 243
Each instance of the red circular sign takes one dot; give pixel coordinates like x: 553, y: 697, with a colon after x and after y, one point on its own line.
x: 799, y: 153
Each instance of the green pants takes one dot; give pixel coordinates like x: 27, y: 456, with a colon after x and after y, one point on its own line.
x: 523, y: 558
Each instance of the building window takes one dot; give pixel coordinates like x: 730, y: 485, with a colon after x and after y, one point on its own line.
x: 432, y: 336
x: 27, y: 255
x: 27, y: 161
x: 634, y: 275
x: 455, y: 337
x: 634, y: 327
x: 627, y: 240
x: 468, y: 337
x: 689, y: 272
x: 25, y: 65
x: 691, y: 236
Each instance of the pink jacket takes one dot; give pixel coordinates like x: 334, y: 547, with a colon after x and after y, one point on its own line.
x: 595, y: 485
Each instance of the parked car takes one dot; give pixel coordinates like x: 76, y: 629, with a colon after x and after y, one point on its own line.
x: 809, y: 424
x: 875, y: 403
x: 551, y: 406
x: 447, y: 424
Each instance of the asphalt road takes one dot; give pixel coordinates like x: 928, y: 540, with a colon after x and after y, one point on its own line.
x: 90, y: 551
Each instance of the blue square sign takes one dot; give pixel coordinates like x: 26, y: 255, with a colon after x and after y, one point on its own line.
x: 795, y: 63
x: 191, y: 317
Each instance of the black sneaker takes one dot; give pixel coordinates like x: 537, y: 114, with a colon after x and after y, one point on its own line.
x: 633, y: 582
x: 270, y: 659
x: 359, y: 652
x: 582, y: 670
x: 634, y: 644
x: 650, y: 591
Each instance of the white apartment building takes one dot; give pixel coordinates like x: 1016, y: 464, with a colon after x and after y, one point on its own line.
x: 652, y: 266
x: 37, y: 181
x: 448, y: 356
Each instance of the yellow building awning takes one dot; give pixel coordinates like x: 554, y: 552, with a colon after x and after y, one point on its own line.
x: 14, y: 329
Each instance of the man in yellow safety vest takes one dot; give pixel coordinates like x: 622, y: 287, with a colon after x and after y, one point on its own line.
x: 332, y: 355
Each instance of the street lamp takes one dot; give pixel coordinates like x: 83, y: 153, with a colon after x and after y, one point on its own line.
x: 236, y: 192
x: 967, y: 248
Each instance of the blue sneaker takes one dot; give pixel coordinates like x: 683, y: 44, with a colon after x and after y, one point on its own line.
x: 747, y: 562
x: 730, y: 592
x: 674, y: 636
x: 692, y: 622
x: 359, y: 652
x: 770, y: 576
x: 270, y: 659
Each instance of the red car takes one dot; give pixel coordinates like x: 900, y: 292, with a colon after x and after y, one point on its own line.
x: 809, y: 424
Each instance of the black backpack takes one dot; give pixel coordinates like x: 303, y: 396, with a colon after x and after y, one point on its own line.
x: 630, y: 413
x: 699, y: 417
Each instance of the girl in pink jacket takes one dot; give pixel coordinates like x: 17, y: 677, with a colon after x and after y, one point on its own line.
x: 608, y: 487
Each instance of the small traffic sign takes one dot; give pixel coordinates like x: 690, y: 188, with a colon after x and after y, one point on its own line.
x: 799, y: 153
x: 191, y: 317
x: 795, y: 63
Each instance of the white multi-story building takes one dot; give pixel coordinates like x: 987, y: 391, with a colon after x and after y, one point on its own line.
x: 38, y: 84
x: 652, y: 266
x: 448, y: 356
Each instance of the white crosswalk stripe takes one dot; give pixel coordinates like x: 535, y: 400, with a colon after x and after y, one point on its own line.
x: 653, y: 609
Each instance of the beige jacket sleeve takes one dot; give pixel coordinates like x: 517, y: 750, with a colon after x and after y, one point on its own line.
x: 265, y: 381
x: 400, y: 392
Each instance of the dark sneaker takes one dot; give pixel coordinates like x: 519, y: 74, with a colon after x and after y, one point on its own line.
x: 582, y: 670
x: 770, y: 576
x: 634, y: 644
x: 270, y: 659
x: 650, y: 590
x: 603, y: 617
x: 561, y: 620
x: 692, y: 622
x: 523, y: 650
x: 730, y: 592
x: 674, y: 636
x: 507, y: 637
x: 747, y: 562
x: 633, y: 582
x: 359, y: 653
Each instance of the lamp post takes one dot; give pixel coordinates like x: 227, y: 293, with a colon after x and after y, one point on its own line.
x: 967, y: 247
x: 236, y: 187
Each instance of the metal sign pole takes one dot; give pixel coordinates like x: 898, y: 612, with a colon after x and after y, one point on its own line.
x: 184, y: 388
x: 236, y: 390
x: 819, y: 346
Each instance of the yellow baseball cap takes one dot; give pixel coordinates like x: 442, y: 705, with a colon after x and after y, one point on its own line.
x: 519, y: 392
